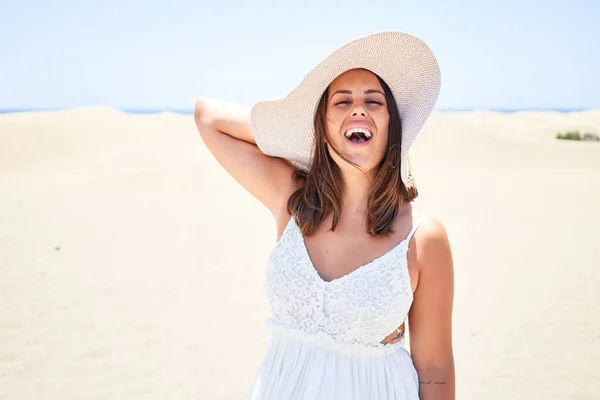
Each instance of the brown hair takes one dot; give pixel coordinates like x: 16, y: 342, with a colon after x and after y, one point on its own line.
x: 321, y: 192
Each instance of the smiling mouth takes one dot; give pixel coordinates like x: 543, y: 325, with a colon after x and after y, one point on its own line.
x: 358, y: 135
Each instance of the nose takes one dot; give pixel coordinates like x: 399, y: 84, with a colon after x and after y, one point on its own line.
x: 359, y: 110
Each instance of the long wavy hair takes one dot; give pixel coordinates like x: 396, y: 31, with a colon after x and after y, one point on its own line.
x: 320, y: 192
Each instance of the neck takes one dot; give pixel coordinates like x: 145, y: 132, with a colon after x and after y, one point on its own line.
x: 355, y: 191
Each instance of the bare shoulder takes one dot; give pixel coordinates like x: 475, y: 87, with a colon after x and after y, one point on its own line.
x: 430, y: 227
x: 431, y: 231
x: 282, y: 217
x: 431, y: 242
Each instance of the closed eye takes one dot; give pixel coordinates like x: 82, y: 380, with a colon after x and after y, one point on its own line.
x: 368, y: 102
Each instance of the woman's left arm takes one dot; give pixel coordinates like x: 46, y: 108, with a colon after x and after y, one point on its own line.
x: 430, y: 317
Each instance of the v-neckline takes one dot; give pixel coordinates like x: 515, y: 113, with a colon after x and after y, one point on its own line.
x: 347, y: 275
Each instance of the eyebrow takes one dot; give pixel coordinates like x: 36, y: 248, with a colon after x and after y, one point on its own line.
x: 369, y: 91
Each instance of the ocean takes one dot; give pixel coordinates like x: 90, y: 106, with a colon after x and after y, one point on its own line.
x: 191, y: 111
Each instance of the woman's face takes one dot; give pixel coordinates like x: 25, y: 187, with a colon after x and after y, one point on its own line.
x: 357, y: 119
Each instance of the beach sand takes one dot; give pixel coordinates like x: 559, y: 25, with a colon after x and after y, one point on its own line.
x: 132, y: 266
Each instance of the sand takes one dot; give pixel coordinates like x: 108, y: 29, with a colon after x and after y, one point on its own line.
x: 132, y: 266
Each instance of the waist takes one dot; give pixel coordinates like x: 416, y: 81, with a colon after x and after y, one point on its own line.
x: 326, y: 341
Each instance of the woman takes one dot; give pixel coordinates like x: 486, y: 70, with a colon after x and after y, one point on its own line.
x: 354, y: 259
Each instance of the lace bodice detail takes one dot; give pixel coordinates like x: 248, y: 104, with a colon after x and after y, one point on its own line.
x: 361, y: 307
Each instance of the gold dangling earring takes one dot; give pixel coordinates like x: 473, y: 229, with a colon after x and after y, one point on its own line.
x: 411, y: 186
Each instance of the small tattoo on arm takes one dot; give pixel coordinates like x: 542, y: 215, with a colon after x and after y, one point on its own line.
x: 432, y: 382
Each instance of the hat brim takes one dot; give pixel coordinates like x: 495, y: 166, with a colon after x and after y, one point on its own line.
x: 285, y: 127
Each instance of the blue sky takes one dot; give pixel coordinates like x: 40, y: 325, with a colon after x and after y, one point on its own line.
x: 151, y: 54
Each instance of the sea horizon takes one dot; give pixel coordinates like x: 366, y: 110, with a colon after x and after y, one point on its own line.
x: 191, y: 111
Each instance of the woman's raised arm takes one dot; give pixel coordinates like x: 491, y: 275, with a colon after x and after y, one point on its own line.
x: 226, y: 130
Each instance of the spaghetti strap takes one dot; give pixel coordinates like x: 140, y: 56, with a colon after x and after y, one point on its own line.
x: 415, y: 226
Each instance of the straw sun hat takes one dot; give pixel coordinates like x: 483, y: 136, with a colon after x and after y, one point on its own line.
x: 284, y: 127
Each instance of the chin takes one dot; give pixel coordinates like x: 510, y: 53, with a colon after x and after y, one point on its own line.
x: 367, y: 162
x: 365, y: 166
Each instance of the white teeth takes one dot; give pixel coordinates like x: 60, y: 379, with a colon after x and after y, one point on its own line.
x: 366, y: 132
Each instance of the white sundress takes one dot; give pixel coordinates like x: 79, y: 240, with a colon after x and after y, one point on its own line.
x: 327, y: 334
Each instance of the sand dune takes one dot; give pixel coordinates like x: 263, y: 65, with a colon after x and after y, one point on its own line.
x: 132, y: 265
